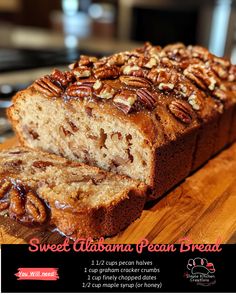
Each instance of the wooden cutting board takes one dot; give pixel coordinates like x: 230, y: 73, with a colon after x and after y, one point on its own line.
x: 202, y: 208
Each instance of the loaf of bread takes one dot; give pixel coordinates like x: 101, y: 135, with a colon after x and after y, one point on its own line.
x: 154, y: 114
x: 81, y: 201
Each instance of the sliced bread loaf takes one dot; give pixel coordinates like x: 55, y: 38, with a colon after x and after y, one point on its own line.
x: 82, y: 201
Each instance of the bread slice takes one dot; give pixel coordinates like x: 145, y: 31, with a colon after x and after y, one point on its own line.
x: 81, y: 201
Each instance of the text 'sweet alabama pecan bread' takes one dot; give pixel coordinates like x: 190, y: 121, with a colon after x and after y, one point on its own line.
x: 81, y: 201
x: 154, y: 114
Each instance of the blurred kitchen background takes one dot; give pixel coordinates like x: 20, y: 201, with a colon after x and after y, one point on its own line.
x: 38, y: 35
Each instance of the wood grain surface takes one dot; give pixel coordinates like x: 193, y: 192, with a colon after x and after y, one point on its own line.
x: 202, y: 208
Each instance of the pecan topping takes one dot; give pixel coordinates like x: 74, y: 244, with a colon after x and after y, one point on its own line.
x: 86, y: 82
x: 181, y: 110
x: 220, y: 94
x: 106, y: 91
x: 100, y: 63
x: 134, y: 71
x: 146, y: 98
x: 202, y: 77
x: 63, y: 78
x: 232, y: 73
x: 86, y: 60
x: 78, y: 91
x: 83, y: 61
x: 125, y: 100
x: 129, y: 69
x: 175, y: 52
x: 192, y: 100
x: 164, y: 77
x: 106, y: 72
x: 135, y: 81
x: 48, y: 87
x: 82, y: 72
x: 150, y: 63
x: 35, y: 208
x: 166, y: 86
x: 222, y: 61
x: 97, y: 85
x: 220, y: 71
x: 117, y: 59
x: 200, y: 52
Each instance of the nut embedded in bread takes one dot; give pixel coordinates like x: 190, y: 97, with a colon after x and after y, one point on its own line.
x: 154, y: 114
x: 82, y: 201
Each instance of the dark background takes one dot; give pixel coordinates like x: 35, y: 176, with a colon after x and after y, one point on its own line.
x: 71, y: 265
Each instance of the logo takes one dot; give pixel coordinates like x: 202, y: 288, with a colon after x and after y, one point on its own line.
x: 200, y: 272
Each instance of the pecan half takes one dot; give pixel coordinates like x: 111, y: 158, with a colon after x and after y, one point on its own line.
x: 232, y: 73
x: 87, y: 60
x: 135, y: 81
x: 125, y: 100
x: 163, y: 76
x: 166, y: 86
x: 16, y: 208
x: 200, y: 52
x: 181, y: 110
x: 87, y: 82
x: 151, y: 62
x: 82, y: 72
x: 134, y: 70
x: 63, y: 78
x: 47, y: 86
x: 78, y: 91
x: 106, y: 91
x: 220, y: 94
x: 35, y: 208
x: 129, y: 69
x: 220, y: 71
x: 100, y: 63
x: 117, y: 59
x: 97, y: 85
x: 106, y: 72
x: 201, y: 76
x: 146, y: 98
x: 222, y: 61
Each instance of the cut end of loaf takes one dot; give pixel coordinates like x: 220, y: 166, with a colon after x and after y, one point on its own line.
x: 82, y: 133
x: 83, y: 201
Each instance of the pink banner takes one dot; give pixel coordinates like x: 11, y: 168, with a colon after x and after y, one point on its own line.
x: 39, y: 273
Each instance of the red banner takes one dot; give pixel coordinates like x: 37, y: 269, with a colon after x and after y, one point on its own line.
x: 39, y: 273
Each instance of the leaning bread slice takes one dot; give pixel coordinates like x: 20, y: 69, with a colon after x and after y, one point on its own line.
x: 81, y: 201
